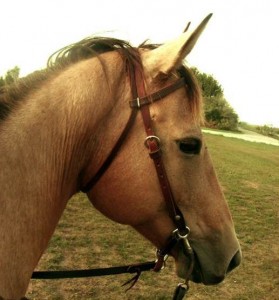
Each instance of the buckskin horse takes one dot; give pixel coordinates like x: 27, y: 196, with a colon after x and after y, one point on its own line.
x: 121, y: 124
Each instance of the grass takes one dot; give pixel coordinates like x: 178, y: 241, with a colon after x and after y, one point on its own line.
x: 249, y: 173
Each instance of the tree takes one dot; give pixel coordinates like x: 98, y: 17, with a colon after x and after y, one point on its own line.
x: 11, y: 76
x: 218, y: 112
x: 209, y: 85
x: 268, y: 130
x: 2, y: 82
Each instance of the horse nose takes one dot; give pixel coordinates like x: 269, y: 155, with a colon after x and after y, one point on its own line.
x: 236, y: 260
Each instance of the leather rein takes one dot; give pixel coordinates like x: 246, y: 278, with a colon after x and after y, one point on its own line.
x: 141, y: 102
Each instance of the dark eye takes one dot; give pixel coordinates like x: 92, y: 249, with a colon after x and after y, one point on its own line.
x: 189, y: 146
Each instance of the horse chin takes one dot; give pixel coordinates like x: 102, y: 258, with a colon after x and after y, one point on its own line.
x: 197, y: 275
x: 182, y: 267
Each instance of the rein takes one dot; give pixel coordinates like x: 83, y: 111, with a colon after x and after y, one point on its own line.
x: 152, y: 142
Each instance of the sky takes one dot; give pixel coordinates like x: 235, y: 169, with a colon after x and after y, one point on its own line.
x: 240, y: 46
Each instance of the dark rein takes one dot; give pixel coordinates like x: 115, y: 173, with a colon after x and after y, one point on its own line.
x: 141, y: 102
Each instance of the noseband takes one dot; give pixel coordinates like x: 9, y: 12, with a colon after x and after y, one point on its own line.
x: 141, y: 101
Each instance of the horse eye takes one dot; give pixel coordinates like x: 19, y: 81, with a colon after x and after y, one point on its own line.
x: 189, y: 146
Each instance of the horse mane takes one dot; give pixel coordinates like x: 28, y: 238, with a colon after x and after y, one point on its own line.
x: 11, y: 95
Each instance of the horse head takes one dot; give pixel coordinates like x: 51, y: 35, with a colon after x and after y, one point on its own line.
x: 129, y: 191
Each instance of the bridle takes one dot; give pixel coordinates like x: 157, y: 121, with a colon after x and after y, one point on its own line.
x: 141, y: 102
x: 152, y: 143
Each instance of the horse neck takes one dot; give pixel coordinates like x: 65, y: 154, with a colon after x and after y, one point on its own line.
x: 45, y: 145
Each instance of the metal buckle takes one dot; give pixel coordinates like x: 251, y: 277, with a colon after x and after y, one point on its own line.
x: 180, y: 291
x: 187, y: 247
x: 179, y: 236
x: 159, y: 255
x: 135, y: 103
x: 138, y: 102
x: 150, y: 138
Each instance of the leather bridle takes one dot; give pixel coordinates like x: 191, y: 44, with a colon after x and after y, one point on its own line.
x: 153, y: 144
x: 141, y: 102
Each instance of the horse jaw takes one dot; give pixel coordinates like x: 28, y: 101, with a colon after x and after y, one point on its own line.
x: 166, y: 58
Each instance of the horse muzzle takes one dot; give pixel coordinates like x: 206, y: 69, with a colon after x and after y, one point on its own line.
x: 202, y: 273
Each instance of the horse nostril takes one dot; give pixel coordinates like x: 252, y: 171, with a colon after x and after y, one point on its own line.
x: 235, y: 261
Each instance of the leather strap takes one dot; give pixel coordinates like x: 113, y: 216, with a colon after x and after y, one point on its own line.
x: 147, y: 266
x: 137, y: 102
x: 152, y: 142
x: 145, y: 100
x: 90, y: 184
x: 155, y: 153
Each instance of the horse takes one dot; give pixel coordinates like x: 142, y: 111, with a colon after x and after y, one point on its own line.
x: 64, y: 129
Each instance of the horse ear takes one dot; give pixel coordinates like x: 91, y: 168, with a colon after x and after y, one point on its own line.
x: 164, y: 59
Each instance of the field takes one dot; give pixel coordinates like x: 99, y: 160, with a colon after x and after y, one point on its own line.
x: 249, y: 173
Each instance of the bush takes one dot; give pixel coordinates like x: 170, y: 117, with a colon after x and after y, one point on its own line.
x: 219, y: 114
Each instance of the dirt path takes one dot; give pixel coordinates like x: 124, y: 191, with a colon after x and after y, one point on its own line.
x: 246, y: 135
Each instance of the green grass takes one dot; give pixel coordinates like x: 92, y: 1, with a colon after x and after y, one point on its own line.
x: 249, y: 173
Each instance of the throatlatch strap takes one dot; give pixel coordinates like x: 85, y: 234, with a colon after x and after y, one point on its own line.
x: 89, y: 185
